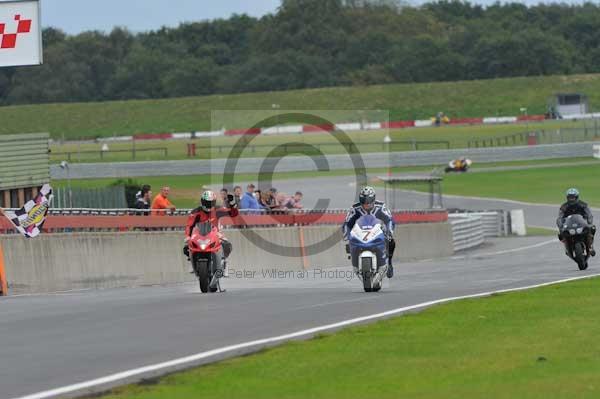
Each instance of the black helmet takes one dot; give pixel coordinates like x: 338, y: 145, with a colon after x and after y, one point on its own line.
x: 367, y: 195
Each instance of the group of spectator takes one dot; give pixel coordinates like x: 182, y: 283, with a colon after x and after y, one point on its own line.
x: 266, y: 199
x: 159, y: 205
x: 252, y: 199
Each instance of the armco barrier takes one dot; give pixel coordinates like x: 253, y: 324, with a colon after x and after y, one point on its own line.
x: 57, y: 262
x: 494, y: 223
x: 467, y: 232
x: 240, y: 132
x: 318, y: 128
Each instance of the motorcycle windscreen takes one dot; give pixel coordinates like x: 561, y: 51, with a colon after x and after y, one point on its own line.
x: 576, y: 221
x: 204, y: 228
x: 367, y: 229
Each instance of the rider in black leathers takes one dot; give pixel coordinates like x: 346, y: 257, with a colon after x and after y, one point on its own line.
x: 574, y: 206
x: 368, y: 205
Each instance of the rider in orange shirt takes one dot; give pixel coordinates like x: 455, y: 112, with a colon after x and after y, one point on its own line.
x: 161, y: 202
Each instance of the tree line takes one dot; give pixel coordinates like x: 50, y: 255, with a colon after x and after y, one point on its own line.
x: 309, y: 44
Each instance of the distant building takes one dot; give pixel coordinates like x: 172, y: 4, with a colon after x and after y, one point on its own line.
x: 569, y: 104
x: 24, y: 167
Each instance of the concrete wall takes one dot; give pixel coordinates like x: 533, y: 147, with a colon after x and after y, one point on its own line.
x: 57, y: 262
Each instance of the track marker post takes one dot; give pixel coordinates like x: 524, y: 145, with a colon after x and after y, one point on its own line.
x: 3, y: 282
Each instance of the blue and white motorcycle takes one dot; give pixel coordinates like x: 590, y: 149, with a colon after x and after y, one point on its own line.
x: 368, y: 251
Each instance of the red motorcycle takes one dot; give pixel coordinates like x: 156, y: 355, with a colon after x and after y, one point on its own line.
x: 206, y: 256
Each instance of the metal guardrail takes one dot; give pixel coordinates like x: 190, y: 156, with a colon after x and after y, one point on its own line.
x: 293, y: 148
x: 467, y: 232
x: 495, y: 223
x: 558, y: 136
x: 470, y: 229
x: 70, y: 155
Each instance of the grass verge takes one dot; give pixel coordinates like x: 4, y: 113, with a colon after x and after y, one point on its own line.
x: 546, y: 185
x: 533, y: 344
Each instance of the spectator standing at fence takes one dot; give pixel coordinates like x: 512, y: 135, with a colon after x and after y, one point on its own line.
x: 237, y: 195
x: 143, y: 201
x: 161, y: 202
x: 140, y: 194
x: 294, y: 202
x: 222, y: 202
x: 248, y: 201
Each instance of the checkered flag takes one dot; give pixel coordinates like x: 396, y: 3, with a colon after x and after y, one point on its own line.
x: 30, y: 219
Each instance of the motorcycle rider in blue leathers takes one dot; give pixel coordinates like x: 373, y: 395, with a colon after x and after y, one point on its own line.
x: 367, y: 204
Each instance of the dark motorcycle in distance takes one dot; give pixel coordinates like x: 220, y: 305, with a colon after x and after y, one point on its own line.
x: 574, y: 233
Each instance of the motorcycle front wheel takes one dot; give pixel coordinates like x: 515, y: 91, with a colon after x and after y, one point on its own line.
x: 202, y: 272
x: 580, y: 256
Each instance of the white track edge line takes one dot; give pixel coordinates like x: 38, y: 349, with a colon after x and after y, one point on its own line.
x: 203, y: 355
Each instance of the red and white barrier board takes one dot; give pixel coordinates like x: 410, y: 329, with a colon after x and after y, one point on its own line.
x: 349, y: 127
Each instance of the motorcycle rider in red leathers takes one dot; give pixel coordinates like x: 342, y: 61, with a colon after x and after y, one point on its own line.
x: 208, y: 212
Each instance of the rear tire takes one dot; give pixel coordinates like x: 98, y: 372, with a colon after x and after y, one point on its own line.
x: 580, y: 256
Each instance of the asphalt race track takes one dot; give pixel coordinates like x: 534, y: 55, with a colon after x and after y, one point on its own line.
x: 50, y: 341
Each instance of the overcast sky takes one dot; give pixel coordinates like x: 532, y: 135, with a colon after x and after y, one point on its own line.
x: 74, y: 16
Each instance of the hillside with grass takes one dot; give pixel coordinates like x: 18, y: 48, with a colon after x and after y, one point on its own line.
x: 403, y: 101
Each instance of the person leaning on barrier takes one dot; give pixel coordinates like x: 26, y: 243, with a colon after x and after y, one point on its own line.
x: 293, y: 202
x: 271, y: 199
x: 368, y: 205
x: 161, y: 202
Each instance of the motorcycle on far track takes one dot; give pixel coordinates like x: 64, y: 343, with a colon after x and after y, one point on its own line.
x: 574, y: 232
x: 367, y: 239
x: 458, y: 165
